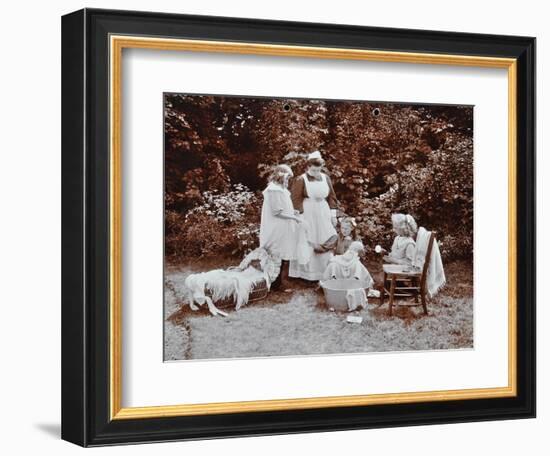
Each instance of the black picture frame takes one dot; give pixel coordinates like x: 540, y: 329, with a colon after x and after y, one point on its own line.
x: 85, y: 228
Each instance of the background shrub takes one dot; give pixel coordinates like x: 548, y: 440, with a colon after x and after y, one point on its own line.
x: 382, y: 158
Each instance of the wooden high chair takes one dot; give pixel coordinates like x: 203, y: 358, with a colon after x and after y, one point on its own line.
x: 412, y: 282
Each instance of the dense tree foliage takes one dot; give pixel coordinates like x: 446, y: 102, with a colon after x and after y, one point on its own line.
x: 382, y: 158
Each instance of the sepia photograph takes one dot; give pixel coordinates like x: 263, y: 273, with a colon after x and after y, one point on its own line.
x: 300, y: 227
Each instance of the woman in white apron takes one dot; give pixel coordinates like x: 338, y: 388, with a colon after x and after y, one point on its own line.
x: 313, y: 195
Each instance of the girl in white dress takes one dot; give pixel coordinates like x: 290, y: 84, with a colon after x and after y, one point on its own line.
x: 312, y: 192
x: 283, y: 233
x: 279, y: 223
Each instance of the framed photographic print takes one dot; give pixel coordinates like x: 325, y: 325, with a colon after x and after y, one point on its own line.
x: 280, y: 227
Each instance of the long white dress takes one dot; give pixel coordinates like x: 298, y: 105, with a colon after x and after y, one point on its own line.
x: 280, y: 236
x: 318, y: 218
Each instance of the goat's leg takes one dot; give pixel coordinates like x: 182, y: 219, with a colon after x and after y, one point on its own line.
x: 213, y: 309
x: 191, y: 301
x: 220, y: 312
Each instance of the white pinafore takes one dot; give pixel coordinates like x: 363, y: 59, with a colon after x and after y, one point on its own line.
x: 319, y: 221
x: 278, y: 235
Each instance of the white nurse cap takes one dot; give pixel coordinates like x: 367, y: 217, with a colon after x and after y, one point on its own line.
x: 315, y: 154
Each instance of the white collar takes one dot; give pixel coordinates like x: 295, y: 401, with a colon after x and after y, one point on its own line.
x: 322, y: 176
x: 272, y: 186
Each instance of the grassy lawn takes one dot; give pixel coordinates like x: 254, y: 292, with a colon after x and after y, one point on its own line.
x: 299, y: 323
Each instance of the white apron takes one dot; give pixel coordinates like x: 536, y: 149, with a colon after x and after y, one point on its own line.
x: 319, y: 222
x: 278, y: 235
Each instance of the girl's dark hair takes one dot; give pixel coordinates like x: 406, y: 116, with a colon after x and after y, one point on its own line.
x: 315, y: 162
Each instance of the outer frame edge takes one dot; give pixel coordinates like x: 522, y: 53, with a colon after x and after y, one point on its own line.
x: 110, y: 435
x: 74, y: 324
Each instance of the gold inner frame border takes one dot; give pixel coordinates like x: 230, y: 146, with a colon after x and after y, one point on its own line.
x: 116, y: 46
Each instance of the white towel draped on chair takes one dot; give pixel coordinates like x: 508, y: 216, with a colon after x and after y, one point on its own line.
x: 435, y: 278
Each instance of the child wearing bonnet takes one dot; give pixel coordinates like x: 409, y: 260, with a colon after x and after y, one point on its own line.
x: 404, y: 246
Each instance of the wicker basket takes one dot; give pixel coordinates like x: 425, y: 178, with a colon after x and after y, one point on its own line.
x: 259, y: 291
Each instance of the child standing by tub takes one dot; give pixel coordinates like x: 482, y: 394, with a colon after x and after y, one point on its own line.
x: 339, y: 243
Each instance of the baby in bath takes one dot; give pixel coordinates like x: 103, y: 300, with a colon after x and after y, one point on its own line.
x: 348, y: 265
